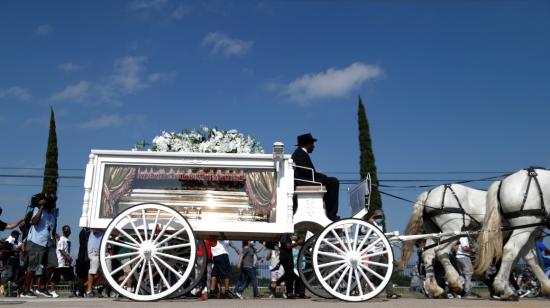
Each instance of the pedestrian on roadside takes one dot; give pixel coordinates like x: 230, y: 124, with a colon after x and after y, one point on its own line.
x: 464, y: 264
x: 221, y: 271
x: 247, y: 263
x: 94, y: 242
x: 39, y: 242
x: 65, y: 261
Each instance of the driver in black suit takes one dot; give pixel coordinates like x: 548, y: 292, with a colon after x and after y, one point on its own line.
x: 306, y: 145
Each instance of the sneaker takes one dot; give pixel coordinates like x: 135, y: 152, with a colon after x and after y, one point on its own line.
x: 89, y: 295
x: 291, y: 296
x: 27, y: 294
x: 303, y: 296
x: 228, y: 295
x: 44, y: 293
x: 271, y: 296
x: 212, y: 294
x: 239, y: 295
x: 284, y: 296
x: 469, y: 296
x: 393, y: 296
x: 54, y: 294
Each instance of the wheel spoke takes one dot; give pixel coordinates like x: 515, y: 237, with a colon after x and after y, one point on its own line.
x: 364, y: 240
x: 155, y: 225
x: 375, y: 263
x: 118, y: 269
x: 340, y: 279
x: 168, y: 267
x: 135, y: 229
x: 333, y: 247
x: 128, y: 236
x: 151, y: 276
x: 163, y: 229
x: 371, y: 245
x: 374, y: 254
x: 131, y: 272
x: 348, y: 239
x: 122, y: 245
x: 174, y: 246
x: 330, y: 254
x: 359, y: 285
x: 371, y: 285
x: 161, y: 274
x: 145, y: 231
x: 339, y: 240
x: 372, y: 272
x: 140, y: 276
x: 350, y: 275
x: 332, y: 263
x: 173, y: 257
x: 334, y: 272
x: 356, y: 237
x: 171, y: 236
x: 122, y: 255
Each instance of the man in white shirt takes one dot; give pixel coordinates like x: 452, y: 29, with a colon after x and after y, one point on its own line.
x: 222, y: 267
x: 64, y: 260
x: 464, y: 264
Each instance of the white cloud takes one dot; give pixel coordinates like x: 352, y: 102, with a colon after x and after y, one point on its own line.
x: 161, y: 76
x: 43, y: 30
x: 68, y: 67
x: 79, y: 92
x: 17, y: 93
x: 147, y: 4
x: 332, y: 83
x: 111, y: 120
x: 223, y: 44
x: 127, y: 74
x: 180, y: 12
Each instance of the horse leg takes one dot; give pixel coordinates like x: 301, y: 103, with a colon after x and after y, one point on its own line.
x: 430, y: 284
x: 451, y: 275
x: 531, y: 259
x: 510, y: 253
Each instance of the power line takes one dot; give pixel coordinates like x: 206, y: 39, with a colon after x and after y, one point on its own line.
x: 38, y: 168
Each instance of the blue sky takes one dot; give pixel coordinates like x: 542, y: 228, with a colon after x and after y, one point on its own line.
x: 448, y: 86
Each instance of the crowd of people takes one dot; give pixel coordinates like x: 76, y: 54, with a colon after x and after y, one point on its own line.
x: 35, y: 258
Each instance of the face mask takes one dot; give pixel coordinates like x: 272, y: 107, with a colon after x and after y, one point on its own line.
x: 379, y: 220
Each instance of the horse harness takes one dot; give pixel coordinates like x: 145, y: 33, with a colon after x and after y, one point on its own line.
x: 442, y: 210
x: 541, y: 212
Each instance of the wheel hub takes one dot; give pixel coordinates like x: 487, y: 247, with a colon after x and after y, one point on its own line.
x: 148, y: 250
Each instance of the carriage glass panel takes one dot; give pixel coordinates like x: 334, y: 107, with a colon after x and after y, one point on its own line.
x: 226, y: 193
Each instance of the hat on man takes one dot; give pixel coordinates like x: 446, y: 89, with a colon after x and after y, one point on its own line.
x: 305, y: 139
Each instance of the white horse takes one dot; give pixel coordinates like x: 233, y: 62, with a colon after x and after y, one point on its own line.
x: 439, y: 211
x: 520, y: 199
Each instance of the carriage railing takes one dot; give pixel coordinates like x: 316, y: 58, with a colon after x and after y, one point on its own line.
x: 312, y: 176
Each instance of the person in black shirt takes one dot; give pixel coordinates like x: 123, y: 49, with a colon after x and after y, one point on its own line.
x: 8, y: 226
x: 305, y: 146
x: 287, y: 261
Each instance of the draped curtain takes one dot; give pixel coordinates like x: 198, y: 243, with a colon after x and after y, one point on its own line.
x: 117, y: 181
x: 260, y: 187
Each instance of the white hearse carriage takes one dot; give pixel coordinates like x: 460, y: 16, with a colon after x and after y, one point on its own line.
x: 157, y: 208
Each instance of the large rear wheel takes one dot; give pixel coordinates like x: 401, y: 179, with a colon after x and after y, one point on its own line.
x: 156, y: 250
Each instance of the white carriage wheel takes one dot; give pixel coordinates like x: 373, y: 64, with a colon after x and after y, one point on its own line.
x: 160, y: 251
x: 353, y: 260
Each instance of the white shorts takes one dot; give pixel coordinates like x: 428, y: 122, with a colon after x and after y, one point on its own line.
x: 94, y: 263
x: 276, y: 275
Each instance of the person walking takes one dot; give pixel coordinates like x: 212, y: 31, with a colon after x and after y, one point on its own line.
x: 377, y: 219
x: 65, y: 261
x: 222, y: 268
x: 276, y: 271
x: 247, y: 261
x: 94, y: 242
x: 464, y: 264
x: 38, y: 243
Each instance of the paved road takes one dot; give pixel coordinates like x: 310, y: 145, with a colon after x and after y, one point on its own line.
x: 266, y: 303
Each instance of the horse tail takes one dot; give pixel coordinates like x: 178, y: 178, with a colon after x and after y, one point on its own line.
x: 490, y: 237
x: 413, y: 227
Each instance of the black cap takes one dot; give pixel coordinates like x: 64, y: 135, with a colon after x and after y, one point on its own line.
x: 305, y: 139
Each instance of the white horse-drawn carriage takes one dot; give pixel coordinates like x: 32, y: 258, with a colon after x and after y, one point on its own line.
x: 156, y: 208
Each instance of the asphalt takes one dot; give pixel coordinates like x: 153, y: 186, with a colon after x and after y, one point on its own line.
x: 268, y: 303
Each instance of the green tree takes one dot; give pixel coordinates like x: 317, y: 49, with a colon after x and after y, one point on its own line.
x: 367, y: 161
x: 51, y: 173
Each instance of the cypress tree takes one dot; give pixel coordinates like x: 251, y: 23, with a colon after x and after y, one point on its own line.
x: 51, y: 174
x: 367, y: 161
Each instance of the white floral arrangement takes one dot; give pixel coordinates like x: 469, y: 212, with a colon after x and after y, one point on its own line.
x: 205, y: 140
